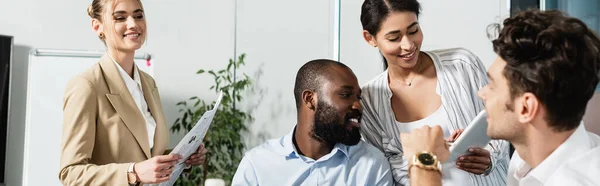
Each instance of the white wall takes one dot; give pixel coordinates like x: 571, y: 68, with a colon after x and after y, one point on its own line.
x: 445, y: 24
x: 184, y: 36
x: 279, y: 37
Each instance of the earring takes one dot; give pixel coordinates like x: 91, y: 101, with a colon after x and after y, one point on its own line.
x: 101, y: 36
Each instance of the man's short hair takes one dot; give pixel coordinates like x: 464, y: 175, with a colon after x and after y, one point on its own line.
x: 553, y: 56
x: 310, y: 77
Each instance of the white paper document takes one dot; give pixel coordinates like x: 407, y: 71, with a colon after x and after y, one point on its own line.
x: 191, y: 142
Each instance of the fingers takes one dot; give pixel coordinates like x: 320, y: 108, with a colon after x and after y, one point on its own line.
x: 167, y: 158
x: 475, y: 159
x: 196, y: 159
x: 201, y: 148
x: 477, y: 166
x: 459, y: 132
x: 162, y: 178
x: 437, y: 129
x: 480, y: 152
x: 452, y: 137
x: 473, y: 164
x: 166, y: 161
x: 163, y: 175
x: 474, y: 171
x: 164, y: 166
x: 167, y: 171
x: 158, y: 178
x: 455, y: 135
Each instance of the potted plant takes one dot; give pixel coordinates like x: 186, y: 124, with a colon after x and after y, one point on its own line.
x: 223, y: 139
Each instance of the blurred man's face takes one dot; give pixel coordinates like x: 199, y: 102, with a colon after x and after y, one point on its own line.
x: 502, y: 120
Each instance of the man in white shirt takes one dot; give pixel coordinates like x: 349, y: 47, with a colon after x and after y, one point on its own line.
x: 546, y: 72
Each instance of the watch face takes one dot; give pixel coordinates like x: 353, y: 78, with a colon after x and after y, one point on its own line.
x: 426, y: 159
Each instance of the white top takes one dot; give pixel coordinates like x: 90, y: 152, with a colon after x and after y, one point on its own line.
x: 576, y: 162
x: 451, y: 176
x: 460, y: 75
x: 439, y: 117
x: 135, y: 89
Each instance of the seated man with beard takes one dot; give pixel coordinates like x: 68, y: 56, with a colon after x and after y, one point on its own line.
x: 324, y: 148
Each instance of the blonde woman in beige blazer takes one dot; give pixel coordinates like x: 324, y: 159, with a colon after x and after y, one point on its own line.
x: 114, y: 129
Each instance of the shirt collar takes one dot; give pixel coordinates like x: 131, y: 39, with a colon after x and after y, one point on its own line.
x: 124, y: 75
x: 291, y: 151
x: 577, y: 143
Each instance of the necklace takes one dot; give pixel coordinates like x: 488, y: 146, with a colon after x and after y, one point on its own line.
x: 409, y: 83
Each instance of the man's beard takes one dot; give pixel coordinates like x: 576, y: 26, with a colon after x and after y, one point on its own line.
x: 329, y: 128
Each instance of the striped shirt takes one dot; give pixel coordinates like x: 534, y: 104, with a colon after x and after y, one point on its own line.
x: 460, y: 75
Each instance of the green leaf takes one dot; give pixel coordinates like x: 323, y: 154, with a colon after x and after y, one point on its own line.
x: 184, y: 119
x: 224, y: 142
x: 212, y: 73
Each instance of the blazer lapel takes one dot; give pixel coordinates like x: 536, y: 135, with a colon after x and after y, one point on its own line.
x: 161, y: 135
x: 123, y: 103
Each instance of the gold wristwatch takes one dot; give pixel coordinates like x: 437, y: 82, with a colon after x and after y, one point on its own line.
x: 131, y: 175
x: 425, y: 160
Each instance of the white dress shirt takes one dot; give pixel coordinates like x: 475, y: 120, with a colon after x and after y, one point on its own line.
x: 575, y: 162
x: 135, y: 89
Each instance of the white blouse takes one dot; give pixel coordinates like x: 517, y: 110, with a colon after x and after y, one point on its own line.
x: 134, y: 85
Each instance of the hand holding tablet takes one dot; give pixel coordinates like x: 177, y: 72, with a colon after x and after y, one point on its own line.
x: 475, y: 135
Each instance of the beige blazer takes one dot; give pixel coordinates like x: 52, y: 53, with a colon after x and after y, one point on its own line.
x: 103, y: 130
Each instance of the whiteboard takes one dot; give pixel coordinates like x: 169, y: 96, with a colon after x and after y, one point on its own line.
x: 48, y: 74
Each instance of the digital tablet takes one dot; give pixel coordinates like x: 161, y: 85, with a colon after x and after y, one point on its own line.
x: 475, y: 135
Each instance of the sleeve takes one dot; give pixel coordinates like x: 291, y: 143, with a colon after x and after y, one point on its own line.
x: 499, y: 150
x: 371, y: 133
x: 78, y: 136
x: 245, y: 174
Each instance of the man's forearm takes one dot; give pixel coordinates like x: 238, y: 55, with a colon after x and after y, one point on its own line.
x: 419, y: 176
